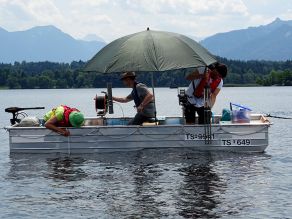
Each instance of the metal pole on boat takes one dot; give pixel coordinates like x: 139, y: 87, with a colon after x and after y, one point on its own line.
x: 153, y: 92
x: 207, y: 114
x: 110, y: 98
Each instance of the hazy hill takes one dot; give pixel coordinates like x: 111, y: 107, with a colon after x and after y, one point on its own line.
x: 267, y: 42
x: 48, y: 43
x: 44, y: 43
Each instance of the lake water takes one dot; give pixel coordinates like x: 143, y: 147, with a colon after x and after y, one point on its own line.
x: 149, y: 183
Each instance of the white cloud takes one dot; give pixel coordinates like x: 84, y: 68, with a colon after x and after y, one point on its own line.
x: 43, y: 11
x: 22, y: 14
x: 185, y: 6
x: 89, y: 3
x: 114, y: 18
x: 288, y: 14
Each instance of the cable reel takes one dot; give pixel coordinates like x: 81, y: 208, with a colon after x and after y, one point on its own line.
x: 104, y: 103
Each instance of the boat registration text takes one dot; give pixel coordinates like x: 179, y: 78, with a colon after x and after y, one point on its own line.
x: 235, y: 142
x: 199, y: 136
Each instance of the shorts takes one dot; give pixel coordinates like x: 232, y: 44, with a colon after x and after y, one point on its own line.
x: 190, y: 114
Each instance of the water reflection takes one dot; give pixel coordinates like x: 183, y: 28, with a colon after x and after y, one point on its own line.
x: 146, y: 189
x: 25, y: 166
x: 49, y: 166
x: 200, y: 190
x: 149, y: 183
x: 67, y: 168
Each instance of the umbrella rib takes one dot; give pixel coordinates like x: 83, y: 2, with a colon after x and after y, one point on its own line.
x: 155, y: 53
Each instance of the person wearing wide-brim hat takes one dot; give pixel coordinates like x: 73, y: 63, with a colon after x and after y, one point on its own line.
x: 63, y: 116
x: 142, y: 97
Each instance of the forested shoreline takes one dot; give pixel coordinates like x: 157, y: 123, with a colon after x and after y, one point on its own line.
x: 47, y: 75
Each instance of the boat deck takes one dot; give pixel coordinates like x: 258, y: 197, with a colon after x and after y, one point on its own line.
x: 256, y: 119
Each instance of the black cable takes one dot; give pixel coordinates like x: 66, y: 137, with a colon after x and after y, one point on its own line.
x: 277, y: 117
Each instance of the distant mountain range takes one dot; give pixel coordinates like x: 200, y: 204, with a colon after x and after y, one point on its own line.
x: 46, y: 43
x: 268, y: 42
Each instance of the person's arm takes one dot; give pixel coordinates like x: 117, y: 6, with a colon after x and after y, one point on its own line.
x: 197, y: 74
x: 193, y: 76
x: 51, y: 124
x: 121, y: 99
x: 148, y: 98
x: 213, y: 97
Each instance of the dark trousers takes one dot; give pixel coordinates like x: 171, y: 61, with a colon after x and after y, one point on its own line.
x: 190, y: 114
x: 139, y: 119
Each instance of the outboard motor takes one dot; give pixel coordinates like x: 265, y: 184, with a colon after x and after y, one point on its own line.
x: 104, y: 103
x: 17, y: 111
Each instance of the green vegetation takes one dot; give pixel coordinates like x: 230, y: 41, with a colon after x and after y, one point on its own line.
x: 46, y: 75
x: 264, y: 73
x: 279, y: 78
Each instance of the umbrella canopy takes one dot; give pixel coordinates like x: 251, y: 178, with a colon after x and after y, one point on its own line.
x: 150, y: 51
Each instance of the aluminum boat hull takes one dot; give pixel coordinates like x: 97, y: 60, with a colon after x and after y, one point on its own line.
x: 248, y: 137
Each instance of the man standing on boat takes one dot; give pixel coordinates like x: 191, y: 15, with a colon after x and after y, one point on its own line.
x: 212, y: 76
x: 142, y: 97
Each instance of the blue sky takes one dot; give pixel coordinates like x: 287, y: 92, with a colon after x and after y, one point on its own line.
x: 111, y: 19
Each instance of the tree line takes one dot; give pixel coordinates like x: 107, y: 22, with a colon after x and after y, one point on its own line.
x: 46, y: 75
x: 264, y: 73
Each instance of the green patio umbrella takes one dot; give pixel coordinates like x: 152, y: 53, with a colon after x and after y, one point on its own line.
x: 150, y: 51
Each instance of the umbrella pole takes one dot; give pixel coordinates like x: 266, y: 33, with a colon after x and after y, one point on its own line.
x: 153, y: 92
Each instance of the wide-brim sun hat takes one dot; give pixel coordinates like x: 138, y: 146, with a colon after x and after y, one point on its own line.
x: 76, y: 119
x: 129, y: 74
